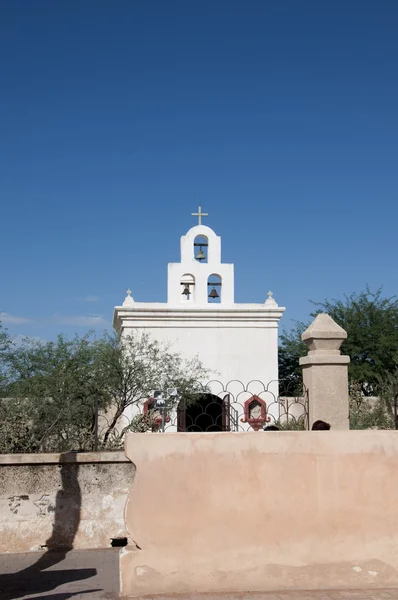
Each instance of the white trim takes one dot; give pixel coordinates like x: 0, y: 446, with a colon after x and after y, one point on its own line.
x: 196, y: 317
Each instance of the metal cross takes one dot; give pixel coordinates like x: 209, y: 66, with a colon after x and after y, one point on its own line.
x: 199, y: 214
x: 128, y: 292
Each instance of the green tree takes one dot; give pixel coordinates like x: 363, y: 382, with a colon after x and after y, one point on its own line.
x: 371, y: 322
x: 51, y: 396
x: 291, y: 349
x: 5, y: 349
x: 71, y: 394
x: 369, y: 413
x: 136, y: 365
x: 388, y: 395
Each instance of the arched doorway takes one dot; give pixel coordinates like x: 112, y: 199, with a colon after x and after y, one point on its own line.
x: 209, y: 413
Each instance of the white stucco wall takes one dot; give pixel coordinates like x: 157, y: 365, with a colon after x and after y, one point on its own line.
x: 231, y: 352
x: 234, y: 341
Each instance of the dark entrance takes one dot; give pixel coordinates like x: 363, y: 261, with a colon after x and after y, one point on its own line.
x: 209, y: 413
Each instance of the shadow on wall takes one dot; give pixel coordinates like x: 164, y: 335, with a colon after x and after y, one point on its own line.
x: 35, y: 579
x: 68, y: 504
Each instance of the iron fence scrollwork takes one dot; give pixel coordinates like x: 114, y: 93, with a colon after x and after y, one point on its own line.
x: 233, y: 407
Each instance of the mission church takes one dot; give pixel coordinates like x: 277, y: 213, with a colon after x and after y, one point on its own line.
x: 237, y: 343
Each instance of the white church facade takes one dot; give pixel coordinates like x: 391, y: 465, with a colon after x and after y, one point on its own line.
x: 237, y: 343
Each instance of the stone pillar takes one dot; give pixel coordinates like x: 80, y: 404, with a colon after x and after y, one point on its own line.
x: 325, y: 372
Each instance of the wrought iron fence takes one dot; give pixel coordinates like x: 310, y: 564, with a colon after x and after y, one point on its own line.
x: 217, y: 407
x: 236, y: 407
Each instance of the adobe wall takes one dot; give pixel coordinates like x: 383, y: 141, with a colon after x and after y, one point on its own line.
x: 62, y: 500
x: 239, y: 512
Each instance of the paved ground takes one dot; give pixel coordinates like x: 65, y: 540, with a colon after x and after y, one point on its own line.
x: 319, y: 595
x: 86, y: 574
x: 80, y: 574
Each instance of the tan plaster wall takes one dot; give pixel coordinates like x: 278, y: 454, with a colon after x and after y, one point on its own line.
x: 261, y: 511
x: 62, y: 500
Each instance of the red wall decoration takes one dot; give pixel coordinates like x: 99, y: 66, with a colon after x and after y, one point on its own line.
x: 150, y: 403
x: 255, y: 422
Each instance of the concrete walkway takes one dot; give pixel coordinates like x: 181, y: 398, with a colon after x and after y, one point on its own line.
x: 86, y: 574
x: 79, y: 574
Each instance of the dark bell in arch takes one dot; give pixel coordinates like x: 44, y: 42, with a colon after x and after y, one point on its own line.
x: 185, y: 291
x: 214, y: 293
x: 200, y: 255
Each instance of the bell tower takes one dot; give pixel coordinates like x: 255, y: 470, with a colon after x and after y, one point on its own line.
x: 237, y: 342
x: 200, y: 279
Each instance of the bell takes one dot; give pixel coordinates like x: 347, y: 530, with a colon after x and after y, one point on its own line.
x: 200, y: 255
x: 213, y: 293
x: 185, y: 291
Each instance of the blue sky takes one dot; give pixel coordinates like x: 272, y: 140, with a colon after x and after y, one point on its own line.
x: 118, y: 118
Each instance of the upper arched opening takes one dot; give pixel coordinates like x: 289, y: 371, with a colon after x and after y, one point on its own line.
x: 201, y: 248
x: 205, y: 238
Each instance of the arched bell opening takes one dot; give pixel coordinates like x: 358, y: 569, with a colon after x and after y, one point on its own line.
x: 200, y: 248
x: 187, y: 284
x: 214, y: 285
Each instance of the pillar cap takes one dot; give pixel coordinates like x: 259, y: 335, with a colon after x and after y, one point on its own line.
x: 324, y: 335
